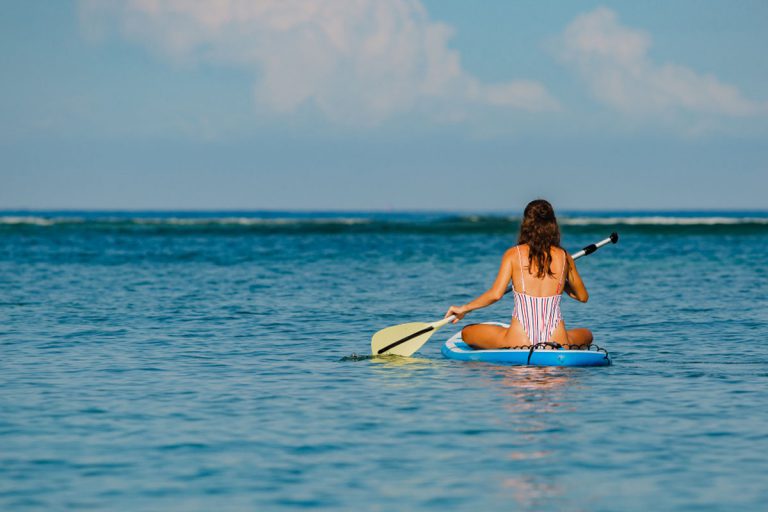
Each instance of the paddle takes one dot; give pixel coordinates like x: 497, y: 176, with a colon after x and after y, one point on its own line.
x: 405, y: 339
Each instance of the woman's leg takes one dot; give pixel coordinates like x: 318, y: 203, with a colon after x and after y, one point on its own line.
x: 484, y: 336
x: 580, y: 337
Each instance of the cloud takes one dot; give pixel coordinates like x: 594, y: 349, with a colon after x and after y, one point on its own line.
x: 357, y: 61
x: 613, y: 60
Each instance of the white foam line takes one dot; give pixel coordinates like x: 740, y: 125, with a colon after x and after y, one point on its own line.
x: 242, y: 221
x: 37, y: 221
x: 662, y: 221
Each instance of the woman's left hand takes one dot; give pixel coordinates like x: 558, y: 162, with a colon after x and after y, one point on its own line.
x: 458, y: 311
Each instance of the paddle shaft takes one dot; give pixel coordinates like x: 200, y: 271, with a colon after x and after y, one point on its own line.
x: 585, y: 251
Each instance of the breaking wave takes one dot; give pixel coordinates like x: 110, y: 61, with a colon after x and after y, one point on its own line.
x: 328, y: 223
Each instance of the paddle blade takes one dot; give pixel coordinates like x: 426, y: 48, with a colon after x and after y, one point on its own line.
x: 401, y: 340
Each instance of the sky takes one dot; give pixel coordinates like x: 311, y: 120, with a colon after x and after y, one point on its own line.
x: 383, y: 105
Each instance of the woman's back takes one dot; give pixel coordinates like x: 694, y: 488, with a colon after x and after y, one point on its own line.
x: 537, y: 316
x: 524, y: 278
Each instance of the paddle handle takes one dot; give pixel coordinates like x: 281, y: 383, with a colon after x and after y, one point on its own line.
x: 593, y: 247
x: 584, y: 252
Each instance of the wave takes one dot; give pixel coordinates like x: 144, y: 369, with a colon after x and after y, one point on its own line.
x: 323, y: 223
x: 663, y: 221
x: 28, y: 220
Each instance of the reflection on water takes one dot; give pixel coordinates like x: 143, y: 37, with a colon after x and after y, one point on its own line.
x: 529, y: 455
x: 387, y: 359
x: 531, y: 492
x: 534, y: 399
x: 523, y: 431
x: 530, y: 388
x: 534, y: 377
x: 401, y: 361
x: 398, y: 371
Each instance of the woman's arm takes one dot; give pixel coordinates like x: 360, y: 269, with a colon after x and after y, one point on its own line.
x: 493, y: 294
x: 574, y: 286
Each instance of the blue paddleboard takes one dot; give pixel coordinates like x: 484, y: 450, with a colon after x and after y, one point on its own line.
x: 455, y: 348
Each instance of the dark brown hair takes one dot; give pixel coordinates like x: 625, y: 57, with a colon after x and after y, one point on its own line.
x: 539, y: 230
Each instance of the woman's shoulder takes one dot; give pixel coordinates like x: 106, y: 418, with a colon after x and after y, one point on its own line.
x: 512, y: 253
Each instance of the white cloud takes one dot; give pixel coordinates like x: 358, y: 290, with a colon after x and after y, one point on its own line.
x: 613, y: 60
x: 358, y: 61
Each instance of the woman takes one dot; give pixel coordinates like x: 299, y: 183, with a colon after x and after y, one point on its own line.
x: 540, y: 270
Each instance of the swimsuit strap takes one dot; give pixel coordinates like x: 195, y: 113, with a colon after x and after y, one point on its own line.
x: 520, y: 259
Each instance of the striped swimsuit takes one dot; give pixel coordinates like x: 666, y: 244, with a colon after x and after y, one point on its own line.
x: 539, y: 316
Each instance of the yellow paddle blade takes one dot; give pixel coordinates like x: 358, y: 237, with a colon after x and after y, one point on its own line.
x: 401, y: 340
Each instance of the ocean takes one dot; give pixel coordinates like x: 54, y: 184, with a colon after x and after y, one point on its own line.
x: 219, y: 361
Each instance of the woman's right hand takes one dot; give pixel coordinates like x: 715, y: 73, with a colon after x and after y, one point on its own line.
x: 458, y: 311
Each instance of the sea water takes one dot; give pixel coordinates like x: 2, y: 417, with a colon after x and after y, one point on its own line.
x: 218, y: 361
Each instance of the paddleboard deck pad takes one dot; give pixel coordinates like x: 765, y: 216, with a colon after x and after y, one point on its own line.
x: 455, y: 348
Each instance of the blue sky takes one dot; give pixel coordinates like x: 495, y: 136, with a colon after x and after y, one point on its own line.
x: 366, y: 104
